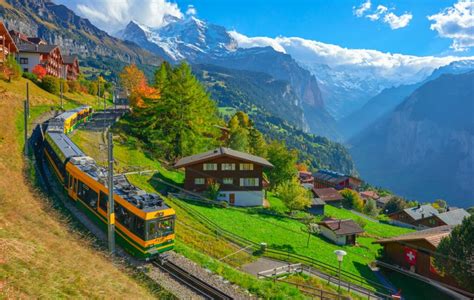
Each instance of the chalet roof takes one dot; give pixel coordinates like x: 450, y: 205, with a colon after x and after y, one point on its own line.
x: 32, y: 48
x: 453, y: 217
x: 330, y: 176
x: 219, y: 152
x: 419, y: 212
x: 36, y: 40
x: 369, y: 194
x: 384, y: 199
x: 8, y: 37
x: 69, y: 59
x: 431, y: 235
x: 342, y: 227
x: 327, y: 194
x: 318, y: 201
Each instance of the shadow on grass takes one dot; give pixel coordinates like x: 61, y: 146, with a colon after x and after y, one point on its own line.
x: 156, y: 181
x: 368, y: 274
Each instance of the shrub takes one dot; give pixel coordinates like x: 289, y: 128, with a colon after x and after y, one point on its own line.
x: 50, y: 84
x: 65, y: 86
x: 39, y: 71
x: 370, y: 208
x: 93, y: 88
x: 13, y: 69
x: 30, y: 76
x: 74, y: 86
x: 362, y: 223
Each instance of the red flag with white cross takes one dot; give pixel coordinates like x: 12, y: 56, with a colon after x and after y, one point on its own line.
x: 410, y: 255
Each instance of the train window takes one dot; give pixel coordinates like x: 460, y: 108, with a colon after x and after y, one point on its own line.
x: 104, y: 198
x: 129, y: 220
x: 160, y: 227
x: 86, y: 194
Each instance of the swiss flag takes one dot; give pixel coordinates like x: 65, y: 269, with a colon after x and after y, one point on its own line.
x: 410, y: 255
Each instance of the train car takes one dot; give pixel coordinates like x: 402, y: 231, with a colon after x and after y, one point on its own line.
x: 69, y: 120
x: 144, y: 223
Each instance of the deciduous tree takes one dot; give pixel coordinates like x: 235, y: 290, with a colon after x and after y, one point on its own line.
x: 294, y: 195
x: 284, y: 163
x: 395, y: 204
x: 352, y: 199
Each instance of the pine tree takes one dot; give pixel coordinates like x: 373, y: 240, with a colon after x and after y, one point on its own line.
x: 257, y: 143
x: 182, y: 122
x: 238, y: 139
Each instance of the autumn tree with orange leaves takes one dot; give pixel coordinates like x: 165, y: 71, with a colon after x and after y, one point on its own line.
x: 134, y: 82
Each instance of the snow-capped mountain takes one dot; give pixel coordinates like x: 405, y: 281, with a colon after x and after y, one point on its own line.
x: 199, y: 42
x: 331, y: 82
x: 181, y: 39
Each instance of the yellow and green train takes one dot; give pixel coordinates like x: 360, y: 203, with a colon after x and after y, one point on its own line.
x: 144, y: 223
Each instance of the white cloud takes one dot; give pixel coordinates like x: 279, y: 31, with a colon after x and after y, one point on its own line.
x: 359, y: 11
x: 380, y: 11
x: 191, y: 11
x: 394, y: 21
x: 456, y: 23
x: 401, y: 68
x: 113, y: 15
x: 397, y: 22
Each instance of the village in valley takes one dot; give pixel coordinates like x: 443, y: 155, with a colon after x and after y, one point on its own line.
x: 247, y: 208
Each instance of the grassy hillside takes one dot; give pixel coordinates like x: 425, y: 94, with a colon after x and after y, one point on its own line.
x: 40, y: 256
x: 194, y: 240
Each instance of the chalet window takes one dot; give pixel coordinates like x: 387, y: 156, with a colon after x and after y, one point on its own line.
x: 228, y: 181
x: 246, y: 167
x: 209, y: 167
x: 23, y: 60
x: 249, y: 182
x: 199, y: 180
x: 228, y: 167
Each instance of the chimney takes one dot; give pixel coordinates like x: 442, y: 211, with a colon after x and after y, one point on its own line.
x: 447, y: 208
x: 36, y: 47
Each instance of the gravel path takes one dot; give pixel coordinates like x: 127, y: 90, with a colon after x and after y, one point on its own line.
x: 213, y: 279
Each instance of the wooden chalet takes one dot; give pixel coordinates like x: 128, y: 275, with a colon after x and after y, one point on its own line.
x: 328, y: 195
x: 450, y: 217
x: 413, y: 214
x: 240, y: 175
x: 415, y: 252
x: 7, y: 44
x: 341, y: 232
x: 382, y: 201
x: 48, y: 56
x: 339, y: 181
x: 71, y: 67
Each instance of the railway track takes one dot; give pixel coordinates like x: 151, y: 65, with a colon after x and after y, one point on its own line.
x: 183, y: 277
x: 199, y: 286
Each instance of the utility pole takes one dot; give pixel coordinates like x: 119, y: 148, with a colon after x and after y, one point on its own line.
x: 98, y: 94
x: 25, y: 105
x: 61, y: 92
x: 28, y: 99
x: 110, y: 207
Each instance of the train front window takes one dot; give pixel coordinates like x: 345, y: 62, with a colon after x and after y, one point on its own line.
x: 160, y: 227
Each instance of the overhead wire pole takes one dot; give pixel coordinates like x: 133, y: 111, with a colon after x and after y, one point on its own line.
x: 28, y: 99
x: 25, y: 104
x: 110, y: 206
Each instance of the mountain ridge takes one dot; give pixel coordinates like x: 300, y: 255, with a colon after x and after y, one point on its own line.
x: 59, y: 25
x: 421, y: 151
x: 201, y: 43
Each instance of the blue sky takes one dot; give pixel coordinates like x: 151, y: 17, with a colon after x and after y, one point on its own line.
x: 386, y: 25
x: 331, y: 22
